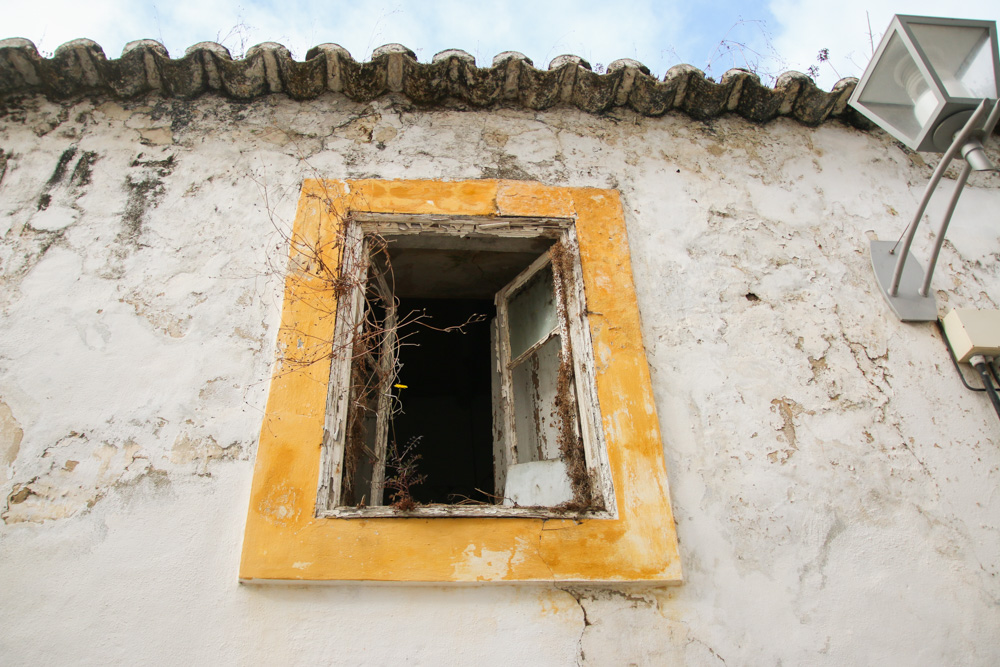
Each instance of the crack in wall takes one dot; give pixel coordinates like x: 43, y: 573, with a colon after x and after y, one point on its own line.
x: 578, y: 598
x: 605, y: 608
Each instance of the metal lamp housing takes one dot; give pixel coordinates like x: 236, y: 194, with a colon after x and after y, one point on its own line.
x: 927, y: 76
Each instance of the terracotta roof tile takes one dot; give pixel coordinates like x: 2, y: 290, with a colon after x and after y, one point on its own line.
x: 81, y: 68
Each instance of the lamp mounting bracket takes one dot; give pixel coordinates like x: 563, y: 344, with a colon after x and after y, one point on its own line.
x: 908, y: 304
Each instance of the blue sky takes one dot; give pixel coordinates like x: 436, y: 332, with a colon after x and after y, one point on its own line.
x: 768, y: 36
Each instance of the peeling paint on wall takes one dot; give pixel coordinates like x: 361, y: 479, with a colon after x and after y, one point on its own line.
x: 200, y: 451
x: 3, y: 165
x: 79, y: 475
x: 832, y: 479
x: 11, y: 435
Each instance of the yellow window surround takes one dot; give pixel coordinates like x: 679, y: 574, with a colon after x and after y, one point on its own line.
x: 284, y: 538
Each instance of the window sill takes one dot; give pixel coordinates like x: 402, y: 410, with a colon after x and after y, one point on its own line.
x: 462, y: 512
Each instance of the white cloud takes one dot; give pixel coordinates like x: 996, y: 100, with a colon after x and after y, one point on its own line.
x: 597, y: 31
x: 53, y: 23
x: 805, y: 26
x: 659, y: 33
x: 594, y: 29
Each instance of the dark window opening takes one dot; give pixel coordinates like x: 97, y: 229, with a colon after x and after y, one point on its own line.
x: 445, y: 396
x: 440, y: 437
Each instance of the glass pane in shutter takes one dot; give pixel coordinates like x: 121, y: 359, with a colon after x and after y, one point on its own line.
x: 536, y: 412
x: 531, y: 312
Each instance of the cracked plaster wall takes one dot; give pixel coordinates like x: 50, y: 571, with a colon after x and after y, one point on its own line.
x: 833, y: 483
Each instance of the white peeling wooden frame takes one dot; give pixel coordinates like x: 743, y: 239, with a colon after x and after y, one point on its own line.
x: 573, y: 328
x: 588, y: 408
x: 512, y: 410
x: 354, y: 261
x: 560, y: 329
x: 500, y: 446
x: 507, y: 364
x: 386, y: 374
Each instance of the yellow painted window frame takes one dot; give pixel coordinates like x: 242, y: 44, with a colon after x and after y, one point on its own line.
x: 285, y: 540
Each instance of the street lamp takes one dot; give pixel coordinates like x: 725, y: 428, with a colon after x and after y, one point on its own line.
x: 932, y: 84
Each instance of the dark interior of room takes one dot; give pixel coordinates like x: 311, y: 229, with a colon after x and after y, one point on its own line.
x: 446, y: 402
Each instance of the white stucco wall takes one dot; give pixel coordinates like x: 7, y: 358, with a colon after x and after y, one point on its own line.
x: 833, y: 482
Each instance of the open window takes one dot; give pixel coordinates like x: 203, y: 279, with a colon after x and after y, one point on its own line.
x: 503, y: 229
x: 462, y: 378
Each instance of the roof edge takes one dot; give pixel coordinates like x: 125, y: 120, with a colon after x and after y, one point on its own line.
x: 80, y: 68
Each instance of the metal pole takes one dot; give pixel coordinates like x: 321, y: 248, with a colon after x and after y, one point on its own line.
x: 939, y: 241
x: 946, y: 159
x: 959, y: 186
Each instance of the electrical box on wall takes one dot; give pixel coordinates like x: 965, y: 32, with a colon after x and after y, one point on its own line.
x: 971, y: 332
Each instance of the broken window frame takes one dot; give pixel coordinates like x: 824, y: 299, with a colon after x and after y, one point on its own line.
x: 564, y: 257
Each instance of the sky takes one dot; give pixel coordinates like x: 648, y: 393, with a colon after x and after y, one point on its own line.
x: 767, y: 37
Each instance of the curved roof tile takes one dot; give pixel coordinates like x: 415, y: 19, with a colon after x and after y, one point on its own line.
x: 80, y: 68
